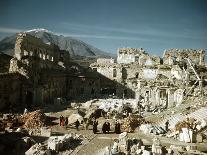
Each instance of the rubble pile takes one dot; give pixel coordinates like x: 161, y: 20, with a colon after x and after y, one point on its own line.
x: 37, y: 149
x: 132, y: 122
x: 9, y: 121
x: 67, y: 142
x: 35, y: 119
x: 149, y: 128
x: 1, y: 126
x: 182, y: 124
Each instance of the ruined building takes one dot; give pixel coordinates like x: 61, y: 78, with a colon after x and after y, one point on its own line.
x: 39, y: 73
x: 157, y: 82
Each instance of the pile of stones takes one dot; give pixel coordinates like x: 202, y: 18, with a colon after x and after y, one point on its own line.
x: 132, y: 122
x: 32, y: 120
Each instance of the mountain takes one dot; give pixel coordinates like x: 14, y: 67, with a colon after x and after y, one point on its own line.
x: 74, y: 46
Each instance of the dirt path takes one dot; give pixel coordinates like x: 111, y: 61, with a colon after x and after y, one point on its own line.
x: 99, y: 142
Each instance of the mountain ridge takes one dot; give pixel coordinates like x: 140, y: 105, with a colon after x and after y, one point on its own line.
x: 74, y: 46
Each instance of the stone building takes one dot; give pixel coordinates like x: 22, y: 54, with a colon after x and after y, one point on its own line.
x: 38, y: 73
x: 28, y: 45
x: 12, y: 88
x: 172, y: 56
x: 130, y: 55
x: 148, y: 79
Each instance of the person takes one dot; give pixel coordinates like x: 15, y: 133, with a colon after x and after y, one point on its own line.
x: 95, y: 124
x: 63, y: 121
x: 77, y: 124
x: 107, y: 126
x: 61, y: 118
x: 104, y: 127
x: 117, y: 128
x: 66, y: 121
x: 166, y: 125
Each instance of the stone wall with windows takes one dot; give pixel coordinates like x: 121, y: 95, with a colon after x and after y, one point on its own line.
x: 29, y: 46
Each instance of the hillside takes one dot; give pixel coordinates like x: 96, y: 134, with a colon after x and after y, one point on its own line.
x: 74, y: 46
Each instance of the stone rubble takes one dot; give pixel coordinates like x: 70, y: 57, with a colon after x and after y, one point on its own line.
x: 32, y: 120
x: 130, y: 123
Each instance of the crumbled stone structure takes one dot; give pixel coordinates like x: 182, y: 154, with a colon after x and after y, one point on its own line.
x: 138, y: 56
x: 154, y: 81
x: 173, y: 56
x: 11, y: 86
x: 28, y: 45
x: 38, y: 73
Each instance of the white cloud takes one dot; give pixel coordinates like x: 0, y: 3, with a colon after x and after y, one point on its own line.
x: 113, y: 37
x: 10, y: 30
x: 155, y: 30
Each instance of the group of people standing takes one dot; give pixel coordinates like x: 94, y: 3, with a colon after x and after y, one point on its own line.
x: 63, y: 121
x: 107, y: 127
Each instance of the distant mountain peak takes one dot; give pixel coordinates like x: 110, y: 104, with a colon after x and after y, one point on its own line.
x: 38, y: 30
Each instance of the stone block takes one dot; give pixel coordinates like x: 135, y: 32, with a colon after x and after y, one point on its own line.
x: 45, y: 132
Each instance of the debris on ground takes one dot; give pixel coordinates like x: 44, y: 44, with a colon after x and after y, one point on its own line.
x: 38, y: 149
x: 35, y: 119
x: 132, y: 122
x: 149, y: 128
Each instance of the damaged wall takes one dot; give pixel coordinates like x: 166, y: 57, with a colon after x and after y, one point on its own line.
x: 149, y: 80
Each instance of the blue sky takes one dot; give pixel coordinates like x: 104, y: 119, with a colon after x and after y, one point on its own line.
x: 154, y: 25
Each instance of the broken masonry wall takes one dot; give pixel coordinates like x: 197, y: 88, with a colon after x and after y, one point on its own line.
x: 177, y: 72
x: 105, y: 61
x: 130, y: 55
x: 82, y: 87
x: 29, y: 46
x: 176, y: 55
x: 112, y: 72
x: 11, y: 90
x: 51, y: 87
x: 152, y: 61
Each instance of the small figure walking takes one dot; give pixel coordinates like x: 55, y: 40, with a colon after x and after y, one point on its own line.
x: 117, y: 128
x: 77, y: 124
x: 95, y: 124
x: 166, y: 125
x: 66, y: 121
x: 61, y: 119
x: 107, y: 126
